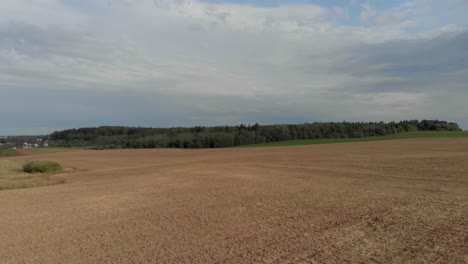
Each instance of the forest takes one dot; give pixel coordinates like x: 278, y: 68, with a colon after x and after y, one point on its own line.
x: 108, y: 137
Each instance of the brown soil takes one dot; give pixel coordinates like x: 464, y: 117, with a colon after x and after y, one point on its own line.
x: 402, y: 201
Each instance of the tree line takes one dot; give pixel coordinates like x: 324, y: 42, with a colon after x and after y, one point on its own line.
x: 229, y: 136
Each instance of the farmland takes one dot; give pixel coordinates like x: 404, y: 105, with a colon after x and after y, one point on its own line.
x: 13, y: 177
x: 389, y: 201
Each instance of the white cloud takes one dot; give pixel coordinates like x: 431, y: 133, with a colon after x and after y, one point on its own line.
x: 341, y: 12
x: 216, y: 62
x: 368, y: 12
x: 41, y: 13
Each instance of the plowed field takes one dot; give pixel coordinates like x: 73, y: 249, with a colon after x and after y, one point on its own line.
x: 401, y: 201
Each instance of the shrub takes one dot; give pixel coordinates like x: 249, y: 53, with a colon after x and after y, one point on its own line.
x: 41, y: 167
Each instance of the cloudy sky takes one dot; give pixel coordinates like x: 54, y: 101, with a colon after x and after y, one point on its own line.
x: 159, y: 63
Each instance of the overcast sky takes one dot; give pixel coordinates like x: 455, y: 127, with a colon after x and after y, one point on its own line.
x: 159, y: 63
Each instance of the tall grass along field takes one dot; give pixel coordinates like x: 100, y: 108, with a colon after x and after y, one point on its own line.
x: 419, y: 134
x: 8, y: 152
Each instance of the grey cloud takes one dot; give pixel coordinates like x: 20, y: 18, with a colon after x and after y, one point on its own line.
x: 219, y: 14
x: 427, y: 56
x: 186, y: 63
x: 35, y: 41
x: 59, y: 108
x: 409, y: 65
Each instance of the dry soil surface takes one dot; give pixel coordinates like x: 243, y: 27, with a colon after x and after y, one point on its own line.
x: 403, y: 201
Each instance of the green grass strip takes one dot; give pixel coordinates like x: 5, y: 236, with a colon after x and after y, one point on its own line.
x: 419, y: 134
x: 8, y: 152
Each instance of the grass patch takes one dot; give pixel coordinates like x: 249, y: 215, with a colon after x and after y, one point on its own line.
x: 419, y: 134
x: 44, y: 166
x: 48, y: 150
x: 8, y: 152
x: 13, y: 177
x: 51, y: 149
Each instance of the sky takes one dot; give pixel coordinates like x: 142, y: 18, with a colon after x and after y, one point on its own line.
x: 163, y: 63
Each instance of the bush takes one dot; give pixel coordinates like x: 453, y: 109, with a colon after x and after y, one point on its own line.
x: 41, y: 167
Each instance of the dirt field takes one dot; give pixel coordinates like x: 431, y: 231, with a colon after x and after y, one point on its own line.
x: 403, y: 201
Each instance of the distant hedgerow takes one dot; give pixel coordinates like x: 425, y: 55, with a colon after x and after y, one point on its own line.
x: 41, y: 167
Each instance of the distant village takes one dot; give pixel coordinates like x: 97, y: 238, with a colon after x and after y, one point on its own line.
x: 39, y: 143
x: 23, y: 142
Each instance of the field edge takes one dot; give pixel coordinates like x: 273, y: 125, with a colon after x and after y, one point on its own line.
x: 407, y: 135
